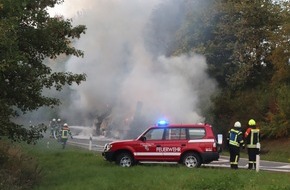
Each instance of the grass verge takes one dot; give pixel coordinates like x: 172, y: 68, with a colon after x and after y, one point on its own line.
x: 17, y: 169
x: 276, y: 150
x: 75, y: 169
x: 271, y: 150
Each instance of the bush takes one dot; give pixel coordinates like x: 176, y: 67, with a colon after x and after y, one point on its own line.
x: 18, y: 171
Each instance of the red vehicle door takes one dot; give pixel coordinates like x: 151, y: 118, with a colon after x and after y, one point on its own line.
x: 174, y: 143
x: 146, y: 149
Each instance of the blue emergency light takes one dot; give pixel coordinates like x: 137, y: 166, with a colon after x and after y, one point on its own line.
x: 162, y: 123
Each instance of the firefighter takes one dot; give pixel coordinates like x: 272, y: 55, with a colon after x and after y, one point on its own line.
x: 252, y: 137
x: 64, y: 133
x: 58, y: 125
x: 52, y: 128
x: 235, y: 141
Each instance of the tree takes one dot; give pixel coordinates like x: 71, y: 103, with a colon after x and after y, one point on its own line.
x: 277, y: 118
x: 243, y: 30
x: 28, y: 36
x: 246, y: 44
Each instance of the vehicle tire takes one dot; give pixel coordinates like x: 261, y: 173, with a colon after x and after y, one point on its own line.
x: 124, y: 159
x: 192, y: 160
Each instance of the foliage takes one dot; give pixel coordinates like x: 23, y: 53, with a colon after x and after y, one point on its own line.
x: 234, y: 36
x: 246, y: 44
x: 278, y: 117
x: 28, y: 36
x: 17, y: 170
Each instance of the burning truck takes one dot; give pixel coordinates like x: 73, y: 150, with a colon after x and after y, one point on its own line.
x: 120, y: 127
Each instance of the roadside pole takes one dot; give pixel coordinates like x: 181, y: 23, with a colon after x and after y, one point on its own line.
x: 90, y: 143
x: 258, y: 146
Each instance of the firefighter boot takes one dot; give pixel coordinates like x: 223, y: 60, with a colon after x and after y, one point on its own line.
x: 250, y: 166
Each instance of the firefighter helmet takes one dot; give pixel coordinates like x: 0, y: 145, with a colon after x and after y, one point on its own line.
x: 252, y: 122
x: 237, y: 124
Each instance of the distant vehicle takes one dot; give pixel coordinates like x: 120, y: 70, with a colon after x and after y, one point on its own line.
x: 188, y: 144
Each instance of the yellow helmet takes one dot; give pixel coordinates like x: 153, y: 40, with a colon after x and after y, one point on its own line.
x: 252, y: 122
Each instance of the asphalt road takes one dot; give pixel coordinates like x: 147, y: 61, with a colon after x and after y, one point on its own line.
x: 243, y: 163
x: 97, y: 144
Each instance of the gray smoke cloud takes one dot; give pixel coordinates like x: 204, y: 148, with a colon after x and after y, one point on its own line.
x: 122, y: 69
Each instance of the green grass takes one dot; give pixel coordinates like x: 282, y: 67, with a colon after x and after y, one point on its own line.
x: 75, y: 169
x: 271, y: 150
x: 276, y: 150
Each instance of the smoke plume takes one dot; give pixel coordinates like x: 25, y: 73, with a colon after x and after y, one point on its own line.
x: 124, y: 69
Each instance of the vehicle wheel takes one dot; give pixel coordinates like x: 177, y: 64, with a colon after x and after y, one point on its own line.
x: 125, y: 159
x: 191, y: 160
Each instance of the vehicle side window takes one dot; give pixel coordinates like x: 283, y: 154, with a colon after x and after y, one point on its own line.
x: 154, y: 134
x: 196, y: 133
x: 175, y: 134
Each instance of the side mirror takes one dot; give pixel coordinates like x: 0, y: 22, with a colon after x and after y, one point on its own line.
x: 143, y: 138
x: 219, y: 142
x: 220, y: 139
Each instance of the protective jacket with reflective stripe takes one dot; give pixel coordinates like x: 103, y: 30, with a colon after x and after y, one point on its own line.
x: 65, y: 132
x: 235, y: 137
x: 252, y: 137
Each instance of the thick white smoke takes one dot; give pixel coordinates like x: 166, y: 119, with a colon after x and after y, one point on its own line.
x: 121, y: 71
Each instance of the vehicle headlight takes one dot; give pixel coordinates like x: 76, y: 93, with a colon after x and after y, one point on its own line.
x: 107, y: 147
